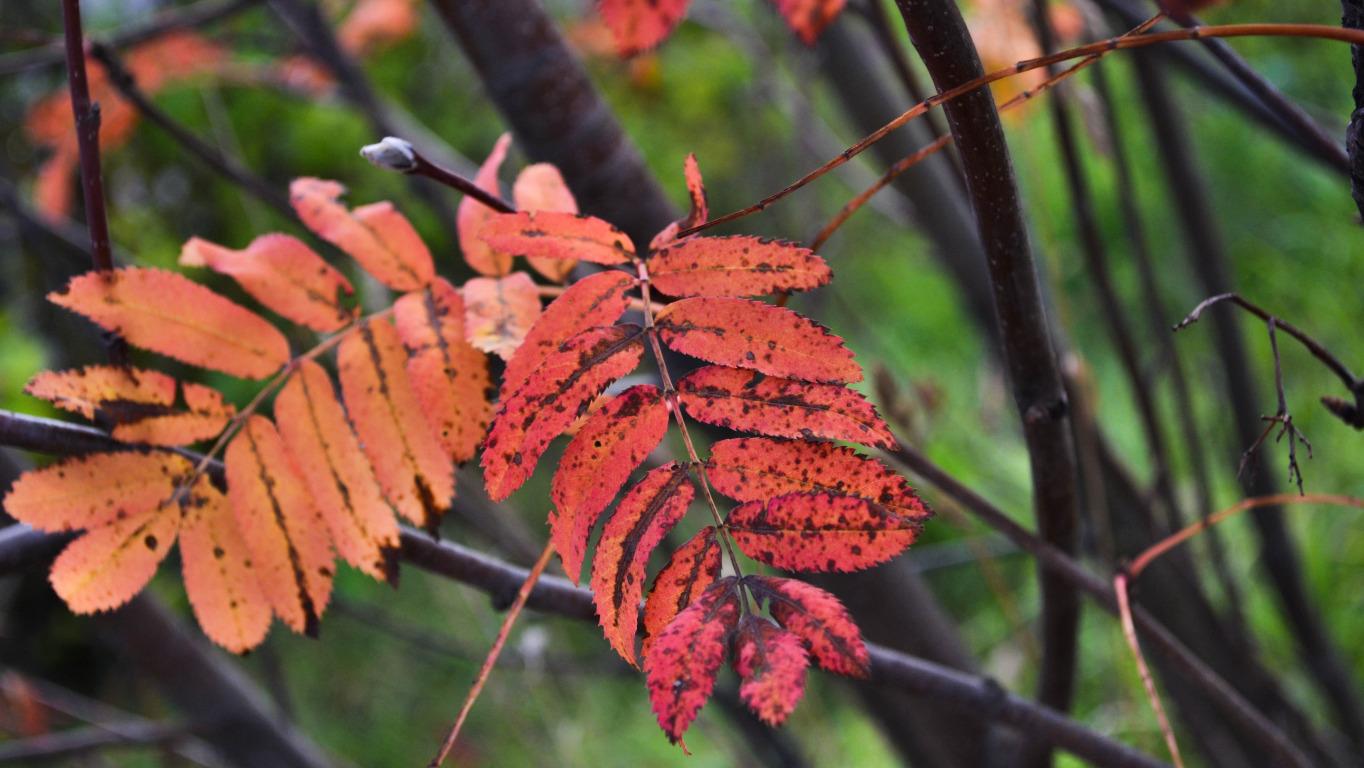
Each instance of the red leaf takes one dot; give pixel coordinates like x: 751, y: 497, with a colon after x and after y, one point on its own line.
x: 696, y: 193
x: 598, y: 299
x: 643, y: 517
x: 749, y: 334
x: 557, y: 235
x: 220, y: 579
x: 756, y: 468
x: 96, y: 489
x: 754, y: 402
x: 772, y: 663
x: 807, y: 18
x: 615, y: 440
x: 449, y: 375
x: 138, y: 404
x: 406, y: 454
x: 834, y: 641
x: 692, y: 567
x: 284, y: 275
x: 170, y: 314
x: 472, y: 215
x: 551, y: 398
x: 540, y: 187
x: 735, y: 266
x: 378, y: 237
x: 104, y: 568
x: 640, y: 25
x: 499, y: 312
x: 820, y: 532
x: 685, y: 658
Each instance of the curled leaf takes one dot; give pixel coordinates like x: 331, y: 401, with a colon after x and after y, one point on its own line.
x: 556, y: 235
x: 692, y: 568
x: 820, y: 532
x: 696, y: 193
x: 377, y: 236
x: 472, y: 215
x: 833, y: 639
x: 772, y: 663
x: 735, y: 266
x: 499, y: 312
x: 682, y: 665
x: 107, y: 566
x: 96, y: 489
x: 220, y: 578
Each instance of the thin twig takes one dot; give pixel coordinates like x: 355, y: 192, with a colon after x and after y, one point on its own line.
x: 395, y: 154
x: 1130, y: 632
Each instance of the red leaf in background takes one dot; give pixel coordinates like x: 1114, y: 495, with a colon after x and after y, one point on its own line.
x: 758, y: 468
x: 284, y: 275
x: 556, y: 235
x: 819, y: 532
x: 499, y: 312
x: 109, y: 564
x: 540, y: 187
x: 643, y: 517
x: 377, y: 236
x: 834, y: 641
x: 749, y: 334
x: 735, y: 266
x: 95, y: 489
x: 772, y: 663
x: 551, y: 398
x: 220, y: 579
x: 449, y: 375
x: 472, y: 215
x: 138, y: 404
x: 696, y: 193
x: 692, y: 568
x: 616, y: 439
x: 807, y: 18
x: 753, y: 402
x: 598, y: 299
x: 168, y: 313
x: 682, y: 665
x: 640, y: 25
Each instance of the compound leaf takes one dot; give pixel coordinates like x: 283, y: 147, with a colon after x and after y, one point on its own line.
x: 110, y: 563
x: 615, y: 440
x: 168, y: 313
x: 138, y: 404
x: 735, y: 266
x: 820, y: 532
x: 640, y: 25
x: 643, y: 517
x: 472, y: 215
x: 499, y: 312
x: 558, y: 235
x: 692, y: 567
x: 833, y: 639
x: 220, y: 578
x: 772, y: 663
x: 682, y: 665
x: 96, y: 489
x: 377, y: 236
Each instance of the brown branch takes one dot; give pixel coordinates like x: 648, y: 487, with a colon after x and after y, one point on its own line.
x: 395, y: 154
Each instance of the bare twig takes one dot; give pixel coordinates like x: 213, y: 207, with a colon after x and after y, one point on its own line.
x: 1130, y: 633
x: 72, y: 744
x: 395, y: 154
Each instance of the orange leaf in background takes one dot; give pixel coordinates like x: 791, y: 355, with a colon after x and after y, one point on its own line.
x: 317, y: 435
x: 95, y: 489
x: 753, y: 402
x: 283, y: 529
x: 220, y: 578
x: 692, y: 568
x: 807, y: 18
x: 472, y: 215
x: 540, y: 187
x: 640, y: 25
x: 555, y: 235
x: 833, y: 639
x: 682, y: 665
x: 107, y: 566
x: 749, y: 334
x: 170, y: 314
x: 819, y: 532
x: 137, y: 403
x: 598, y: 299
x: 643, y: 517
x: 499, y: 312
x: 406, y: 453
x: 54, y: 195
x: 551, y: 398
x: 448, y: 374
x: 735, y: 266
x: 757, y: 468
x: 616, y: 439
x: 772, y: 663
x: 375, y: 235
x: 284, y: 275
x: 374, y: 24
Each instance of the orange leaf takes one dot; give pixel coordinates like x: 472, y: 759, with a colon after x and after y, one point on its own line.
x: 735, y: 266
x: 540, y: 187
x: 772, y: 663
x: 499, y: 312
x: 683, y: 663
x: 373, y: 24
x: 820, y: 532
x: 551, y: 398
x: 219, y: 576
x: 450, y: 377
x: 472, y: 215
x: 137, y: 403
x: 555, y: 235
x: 692, y: 567
x: 109, y: 564
x: 640, y: 25
x: 616, y: 439
x: 598, y: 299
x: 378, y: 237
x: 167, y: 313
x: 643, y: 517
x: 316, y: 434
x: 401, y: 444
x: 96, y: 489
x: 283, y: 529
x: 750, y: 334
x: 283, y: 274
x: 807, y: 18
x: 834, y: 641
x: 753, y: 402
x: 756, y: 468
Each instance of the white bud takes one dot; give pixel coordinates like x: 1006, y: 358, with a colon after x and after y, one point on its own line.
x: 393, y: 154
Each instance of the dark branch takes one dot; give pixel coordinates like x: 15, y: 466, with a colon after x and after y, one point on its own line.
x: 72, y: 744
x: 395, y: 154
